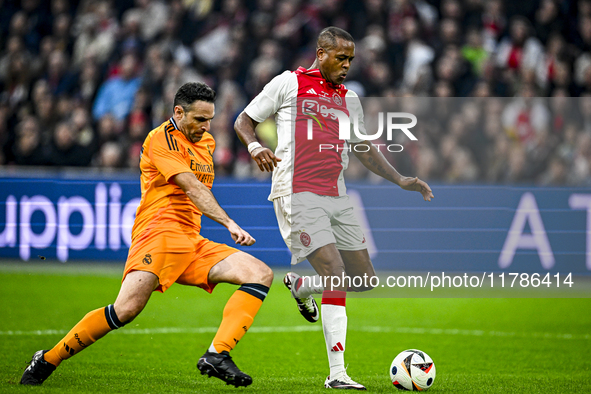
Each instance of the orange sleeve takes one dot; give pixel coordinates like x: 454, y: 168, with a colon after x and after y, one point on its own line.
x: 165, y: 152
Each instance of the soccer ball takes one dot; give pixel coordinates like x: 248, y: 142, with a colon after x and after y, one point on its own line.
x: 412, y: 370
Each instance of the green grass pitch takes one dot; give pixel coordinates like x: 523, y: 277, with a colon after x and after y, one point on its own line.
x: 479, y: 345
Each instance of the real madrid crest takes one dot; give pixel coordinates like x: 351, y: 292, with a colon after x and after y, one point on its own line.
x: 147, y: 259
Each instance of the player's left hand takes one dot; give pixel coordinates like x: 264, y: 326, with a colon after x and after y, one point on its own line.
x: 416, y: 185
x: 265, y: 159
x: 240, y: 236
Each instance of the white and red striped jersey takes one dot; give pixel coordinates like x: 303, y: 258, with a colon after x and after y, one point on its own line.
x: 302, y: 102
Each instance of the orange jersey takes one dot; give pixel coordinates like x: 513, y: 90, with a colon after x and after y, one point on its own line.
x: 165, y: 212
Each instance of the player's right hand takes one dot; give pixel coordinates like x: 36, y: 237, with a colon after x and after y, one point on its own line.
x: 417, y: 185
x: 265, y: 158
x: 240, y: 236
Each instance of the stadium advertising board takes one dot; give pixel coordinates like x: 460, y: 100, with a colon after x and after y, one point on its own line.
x: 466, y: 228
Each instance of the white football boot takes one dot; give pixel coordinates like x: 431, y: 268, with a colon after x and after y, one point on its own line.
x: 342, y: 381
x: 307, y: 306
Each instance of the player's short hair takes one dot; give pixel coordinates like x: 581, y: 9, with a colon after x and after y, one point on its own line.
x: 191, y: 92
x: 327, y: 38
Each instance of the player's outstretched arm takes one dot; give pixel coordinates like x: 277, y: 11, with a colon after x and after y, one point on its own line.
x: 264, y: 157
x: 375, y: 161
x: 203, y: 199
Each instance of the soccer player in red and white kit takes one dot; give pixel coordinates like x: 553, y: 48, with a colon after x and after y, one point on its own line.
x: 314, y: 214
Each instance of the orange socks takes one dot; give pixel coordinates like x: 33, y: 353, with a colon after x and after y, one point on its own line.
x: 239, y: 314
x: 91, y: 328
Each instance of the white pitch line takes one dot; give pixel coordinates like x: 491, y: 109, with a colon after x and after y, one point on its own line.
x: 168, y: 330
x: 477, y: 333
x: 311, y: 328
x: 209, y: 330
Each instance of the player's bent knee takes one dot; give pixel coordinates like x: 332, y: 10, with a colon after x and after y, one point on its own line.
x: 129, y: 310
x: 241, y: 268
x: 261, y: 273
x: 266, y: 275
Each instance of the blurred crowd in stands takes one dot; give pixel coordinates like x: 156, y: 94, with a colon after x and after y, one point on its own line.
x: 82, y: 82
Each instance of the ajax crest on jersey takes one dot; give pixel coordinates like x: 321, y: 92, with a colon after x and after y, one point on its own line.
x: 412, y: 370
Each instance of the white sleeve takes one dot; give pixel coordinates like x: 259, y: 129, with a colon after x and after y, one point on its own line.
x: 355, y: 116
x: 268, y: 102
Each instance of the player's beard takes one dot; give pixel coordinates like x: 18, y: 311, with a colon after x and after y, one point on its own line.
x: 195, y: 137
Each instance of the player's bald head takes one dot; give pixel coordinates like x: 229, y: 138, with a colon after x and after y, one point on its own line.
x: 327, y: 38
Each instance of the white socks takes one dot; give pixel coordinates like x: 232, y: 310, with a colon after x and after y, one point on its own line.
x: 334, y: 325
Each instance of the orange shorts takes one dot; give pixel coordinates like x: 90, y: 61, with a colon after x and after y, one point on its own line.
x: 187, y: 268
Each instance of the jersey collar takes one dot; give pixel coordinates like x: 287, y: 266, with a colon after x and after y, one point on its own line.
x: 173, y: 123
x: 315, y: 72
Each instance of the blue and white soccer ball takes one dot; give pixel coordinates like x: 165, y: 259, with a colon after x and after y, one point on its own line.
x: 412, y: 370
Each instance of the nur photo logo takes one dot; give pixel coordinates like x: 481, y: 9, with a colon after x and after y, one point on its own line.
x: 321, y: 114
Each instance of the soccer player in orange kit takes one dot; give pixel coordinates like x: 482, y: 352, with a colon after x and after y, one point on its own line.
x: 176, y: 177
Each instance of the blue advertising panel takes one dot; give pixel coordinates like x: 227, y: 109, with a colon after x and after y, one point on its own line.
x: 91, y: 219
x: 480, y: 228
x: 465, y: 228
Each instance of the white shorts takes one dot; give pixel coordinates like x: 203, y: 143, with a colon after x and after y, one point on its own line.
x: 308, y: 221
